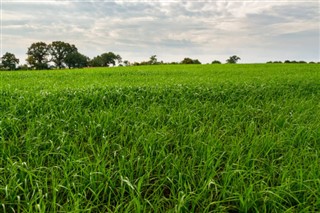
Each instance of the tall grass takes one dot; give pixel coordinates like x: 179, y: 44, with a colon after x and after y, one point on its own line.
x: 241, y: 138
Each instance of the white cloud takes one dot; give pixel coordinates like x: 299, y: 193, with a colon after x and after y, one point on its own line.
x: 205, y: 30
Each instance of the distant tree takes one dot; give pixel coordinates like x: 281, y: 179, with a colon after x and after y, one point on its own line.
x: 144, y: 63
x: 190, y: 61
x: 196, y: 61
x: 110, y: 58
x: 312, y: 62
x: 215, y: 62
x: 59, y: 51
x: 187, y: 61
x: 287, y: 61
x: 96, y: 62
x: 274, y: 62
x: 126, y: 63
x: 31, y: 61
x: 9, y: 61
x: 23, y: 67
x: 105, y: 60
x: 38, y: 55
x: 153, y: 60
x: 76, y: 60
x: 302, y: 62
x: 233, y: 59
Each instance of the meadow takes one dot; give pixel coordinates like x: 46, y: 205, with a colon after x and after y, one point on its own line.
x: 167, y: 138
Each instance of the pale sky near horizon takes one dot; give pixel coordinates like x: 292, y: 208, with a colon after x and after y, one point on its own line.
x: 256, y: 31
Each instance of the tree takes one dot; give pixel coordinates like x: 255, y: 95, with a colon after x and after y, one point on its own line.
x: 23, y: 67
x: 9, y: 61
x: 110, y: 58
x: 38, y: 55
x: 187, y: 61
x: 153, y: 60
x: 59, y: 51
x: 96, y: 62
x: 215, y: 62
x: 126, y: 63
x: 105, y: 60
x: 233, y: 59
x: 190, y: 61
x: 196, y: 61
x: 76, y: 60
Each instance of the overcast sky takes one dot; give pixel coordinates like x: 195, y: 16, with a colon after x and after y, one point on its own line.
x: 256, y: 31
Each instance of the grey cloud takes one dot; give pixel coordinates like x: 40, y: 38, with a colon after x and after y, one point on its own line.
x: 304, y: 11
x: 158, y: 27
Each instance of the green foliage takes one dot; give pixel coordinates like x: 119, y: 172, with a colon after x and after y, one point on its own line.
x: 190, y: 61
x: 153, y: 60
x: 23, y: 67
x: 76, y: 60
x: 233, y: 59
x: 294, y: 62
x: 59, y: 50
x: 209, y: 138
x: 38, y: 55
x: 96, y: 62
x: 105, y: 60
x: 110, y: 58
x: 9, y: 61
x: 126, y: 63
x: 274, y: 62
x: 215, y: 62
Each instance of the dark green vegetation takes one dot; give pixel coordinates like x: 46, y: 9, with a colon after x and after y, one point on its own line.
x: 8, y: 61
x: 215, y: 138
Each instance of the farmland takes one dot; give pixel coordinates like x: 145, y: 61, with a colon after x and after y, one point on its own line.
x: 171, y: 138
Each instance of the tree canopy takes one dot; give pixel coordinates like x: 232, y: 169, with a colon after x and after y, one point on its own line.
x: 38, y: 55
x: 153, y: 60
x: 190, y: 61
x: 9, y: 61
x: 59, y: 50
x: 215, y: 62
x: 233, y: 59
x: 76, y: 60
x: 110, y: 58
x: 105, y: 60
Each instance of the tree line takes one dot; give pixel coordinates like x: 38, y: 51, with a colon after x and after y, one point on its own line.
x: 59, y: 54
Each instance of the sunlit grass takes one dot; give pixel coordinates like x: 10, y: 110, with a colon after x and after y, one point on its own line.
x: 242, y: 138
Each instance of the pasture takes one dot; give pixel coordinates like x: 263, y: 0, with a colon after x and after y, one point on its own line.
x: 170, y: 138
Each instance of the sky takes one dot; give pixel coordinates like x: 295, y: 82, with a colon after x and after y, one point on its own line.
x: 256, y: 31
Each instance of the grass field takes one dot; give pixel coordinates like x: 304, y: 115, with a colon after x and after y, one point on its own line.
x: 195, y: 138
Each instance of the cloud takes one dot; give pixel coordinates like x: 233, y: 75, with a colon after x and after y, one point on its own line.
x: 172, y: 30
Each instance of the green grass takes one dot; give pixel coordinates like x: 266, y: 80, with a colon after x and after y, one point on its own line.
x: 205, y: 138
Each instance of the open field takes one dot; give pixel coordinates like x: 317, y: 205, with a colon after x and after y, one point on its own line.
x: 182, y: 138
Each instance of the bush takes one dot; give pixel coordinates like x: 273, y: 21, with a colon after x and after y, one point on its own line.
x: 215, y: 62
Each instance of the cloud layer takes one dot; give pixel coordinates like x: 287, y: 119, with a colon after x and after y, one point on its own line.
x: 257, y: 31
